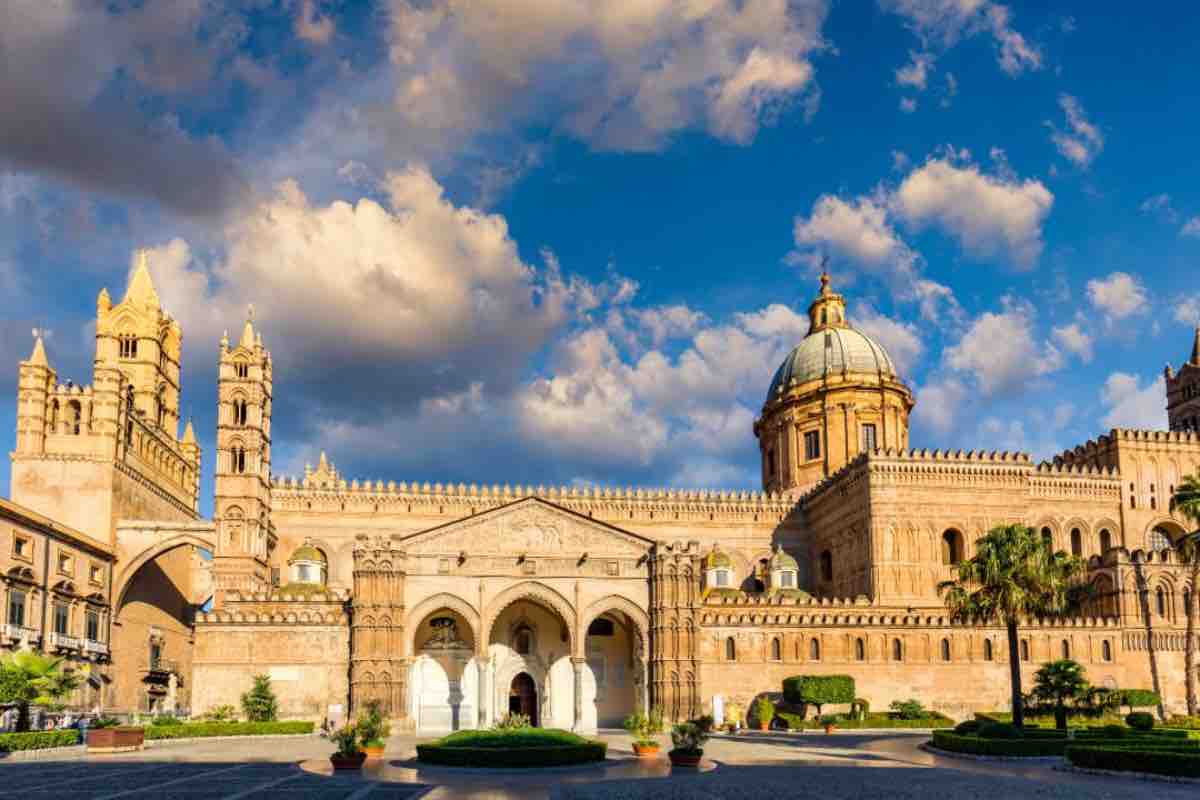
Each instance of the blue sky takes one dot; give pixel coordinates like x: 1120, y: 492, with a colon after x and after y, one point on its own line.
x: 563, y: 241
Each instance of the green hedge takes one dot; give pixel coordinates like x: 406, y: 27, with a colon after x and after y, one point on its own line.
x: 37, y: 740
x: 530, y: 747
x: 872, y: 721
x: 1030, y: 746
x: 819, y: 689
x: 1160, y: 762
x: 198, y: 730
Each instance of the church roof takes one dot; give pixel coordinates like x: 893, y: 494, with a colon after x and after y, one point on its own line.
x: 306, y: 552
x: 141, y: 288
x: 781, y: 560
x: 38, y: 356
x: 831, y: 351
x: 717, y: 559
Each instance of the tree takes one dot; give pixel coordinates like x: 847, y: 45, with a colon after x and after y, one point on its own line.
x: 1058, y: 682
x: 1187, y: 503
x: 817, y: 690
x: 30, y: 678
x: 259, y: 704
x: 1013, y: 575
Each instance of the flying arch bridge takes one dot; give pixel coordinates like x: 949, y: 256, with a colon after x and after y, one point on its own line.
x: 140, y: 543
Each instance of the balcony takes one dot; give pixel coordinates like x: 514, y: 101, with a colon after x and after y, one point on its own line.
x: 13, y: 634
x: 61, y: 641
x: 161, y: 667
x: 91, y: 647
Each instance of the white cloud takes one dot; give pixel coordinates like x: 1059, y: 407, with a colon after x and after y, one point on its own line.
x: 989, y: 215
x: 1160, y: 206
x: 916, y: 73
x: 1074, y: 339
x: 901, y: 340
x: 1082, y: 142
x: 999, y: 350
x: 1118, y: 295
x: 908, y: 105
x: 939, y: 403
x: 1131, y: 405
x: 858, y: 229
x: 1187, y: 309
x: 945, y: 22
x: 1191, y: 228
x: 312, y: 26
x: 618, y: 75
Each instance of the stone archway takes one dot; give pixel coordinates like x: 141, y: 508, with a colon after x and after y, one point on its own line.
x: 531, y: 630
x: 614, y: 646
x: 443, y: 670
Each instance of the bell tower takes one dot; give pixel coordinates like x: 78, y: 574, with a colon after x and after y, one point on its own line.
x: 242, y: 502
x: 1183, y: 392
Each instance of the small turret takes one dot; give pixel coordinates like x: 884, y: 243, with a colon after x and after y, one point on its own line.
x: 141, y: 289
x: 38, y: 357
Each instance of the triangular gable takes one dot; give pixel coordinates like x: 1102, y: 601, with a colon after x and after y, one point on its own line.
x: 530, y: 526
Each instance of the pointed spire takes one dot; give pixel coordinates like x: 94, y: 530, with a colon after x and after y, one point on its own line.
x: 38, y: 356
x: 103, y: 302
x: 141, y: 287
x: 323, y: 463
x: 189, y: 433
x: 1196, y: 348
x: 248, y: 331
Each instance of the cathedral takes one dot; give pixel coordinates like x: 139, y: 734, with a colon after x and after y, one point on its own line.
x: 455, y: 604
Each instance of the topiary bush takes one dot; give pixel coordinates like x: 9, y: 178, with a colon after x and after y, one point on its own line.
x: 818, y: 690
x: 529, y: 747
x: 259, y: 704
x: 999, y: 730
x: 909, y: 709
x: 764, y: 710
x: 968, y: 727
x: 1140, y: 721
x: 1114, y: 731
x: 1159, y: 762
x: 1135, y: 698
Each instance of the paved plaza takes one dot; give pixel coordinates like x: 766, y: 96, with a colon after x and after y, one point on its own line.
x: 750, y: 766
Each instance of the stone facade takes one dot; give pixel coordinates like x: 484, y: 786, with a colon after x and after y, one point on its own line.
x: 455, y: 604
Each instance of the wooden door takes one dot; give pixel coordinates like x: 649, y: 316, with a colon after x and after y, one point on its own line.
x: 522, y: 697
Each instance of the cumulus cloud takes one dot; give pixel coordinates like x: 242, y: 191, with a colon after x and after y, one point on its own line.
x: 939, y: 403
x: 1082, y: 141
x: 1187, y: 309
x: 1159, y: 205
x: 943, y: 23
x: 312, y: 26
x: 1000, y: 351
x: 859, y: 230
x: 915, y: 74
x: 989, y: 215
x: 902, y: 340
x: 1118, y: 295
x: 1191, y: 228
x: 1132, y: 405
x: 617, y: 75
x: 1074, y: 339
x: 61, y: 57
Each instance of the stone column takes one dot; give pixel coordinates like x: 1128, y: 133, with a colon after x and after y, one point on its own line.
x: 578, y: 663
x: 481, y: 665
x: 644, y: 693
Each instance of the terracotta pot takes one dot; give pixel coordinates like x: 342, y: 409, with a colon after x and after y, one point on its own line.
x: 645, y: 750
x: 685, y: 759
x: 830, y: 728
x: 374, y: 752
x: 355, y: 761
x: 764, y: 726
x: 115, y: 740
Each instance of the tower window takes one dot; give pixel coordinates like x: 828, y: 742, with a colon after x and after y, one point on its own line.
x: 241, y: 370
x: 776, y: 650
x: 812, y: 445
x: 1105, y: 541
x: 127, y: 345
x: 897, y: 650
x: 951, y: 547
x: 238, y: 455
x: 814, y: 650
x: 945, y: 649
x: 860, y: 650
x: 868, y: 437
x: 1076, y: 542
x: 988, y: 655
x: 730, y: 650
x: 826, y: 566
x: 239, y: 412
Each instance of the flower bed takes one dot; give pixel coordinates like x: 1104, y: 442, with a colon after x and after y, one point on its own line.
x: 37, y: 740
x: 1172, y: 762
x: 201, y: 730
x: 527, y: 747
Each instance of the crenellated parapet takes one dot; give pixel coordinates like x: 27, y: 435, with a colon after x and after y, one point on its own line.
x: 276, y: 608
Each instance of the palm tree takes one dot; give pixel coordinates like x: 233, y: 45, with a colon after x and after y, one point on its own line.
x: 1013, y: 575
x: 1059, y: 682
x: 30, y: 678
x: 1187, y: 502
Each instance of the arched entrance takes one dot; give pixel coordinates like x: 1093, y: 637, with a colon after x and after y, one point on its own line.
x: 522, y: 697
x: 530, y: 635
x: 443, y: 676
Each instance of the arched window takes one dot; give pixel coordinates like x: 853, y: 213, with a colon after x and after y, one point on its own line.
x: 238, y: 455
x: 1048, y: 538
x: 1159, y: 540
x: 730, y: 650
x: 1187, y: 600
x: 951, y: 547
x: 1076, y: 542
x: 1024, y: 649
x: 988, y: 655
x: 241, y: 370
x: 945, y: 649
x: 128, y: 345
x: 239, y: 411
x: 74, y: 416
x: 1066, y: 648
x: 776, y: 650
x: 54, y: 416
x: 1105, y: 541
x: 826, y: 565
x: 860, y: 650
x: 523, y: 641
x: 160, y: 401
x: 897, y: 650
x: 1160, y: 602
x: 814, y: 650
x: 1106, y: 650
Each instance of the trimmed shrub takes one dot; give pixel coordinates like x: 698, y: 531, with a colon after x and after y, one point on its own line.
x: 1140, y: 721
x: 166, y: 719
x: 818, y: 690
x: 531, y: 747
x: 909, y: 709
x: 1135, y: 698
x: 1157, y: 761
x: 967, y: 727
x: 1185, y: 722
x: 259, y: 704
x: 37, y: 740
x: 1114, y: 731
x: 794, y: 722
x: 999, y: 730
x: 199, y: 730
x: 764, y: 710
x: 1020, y: 748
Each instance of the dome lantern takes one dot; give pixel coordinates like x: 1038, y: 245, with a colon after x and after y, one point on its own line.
x: 308, y: 565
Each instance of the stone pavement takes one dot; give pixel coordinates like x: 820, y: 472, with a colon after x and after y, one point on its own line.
x: 754, y: 765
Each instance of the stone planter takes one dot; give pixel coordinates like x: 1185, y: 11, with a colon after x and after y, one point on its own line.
x: 374, y: 752
x: 115, y: 740
x: 645, y: 750
x: 679, y: 759
x: 341, y: 761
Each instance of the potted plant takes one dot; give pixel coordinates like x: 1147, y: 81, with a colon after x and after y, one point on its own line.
x: 733, y: 715
x: 347, y: 755
x: 829, y: 722
x: 373, y: 730
x: 643, y: 728
x: 688, y: 739
x: 107, y: 735
x: 764, y: 711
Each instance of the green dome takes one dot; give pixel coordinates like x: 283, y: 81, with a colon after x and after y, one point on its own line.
x: 717, y: 560
x: 833, y: 350
x: 781, y: 560
x: 306, y: 552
